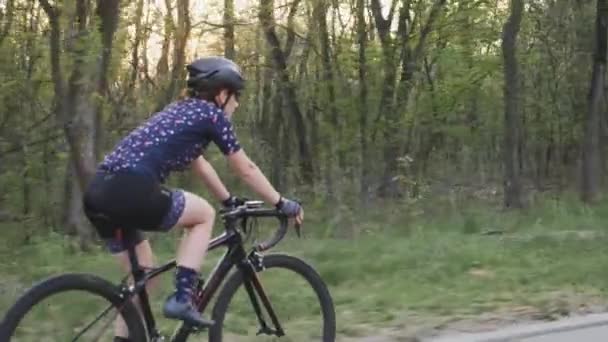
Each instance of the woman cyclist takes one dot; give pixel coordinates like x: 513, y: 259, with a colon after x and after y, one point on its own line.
x: 127, y: 195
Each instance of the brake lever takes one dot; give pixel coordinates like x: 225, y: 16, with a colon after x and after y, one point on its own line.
x: 297, y: 225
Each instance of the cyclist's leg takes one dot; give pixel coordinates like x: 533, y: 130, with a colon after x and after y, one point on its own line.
x: 181, y: 209
x: 145, y: 258
x: 195, y: 215
x: 113, y: 201
x: 197, y: 218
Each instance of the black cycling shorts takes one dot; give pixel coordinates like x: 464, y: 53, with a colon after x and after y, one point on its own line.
x: 120, y: 205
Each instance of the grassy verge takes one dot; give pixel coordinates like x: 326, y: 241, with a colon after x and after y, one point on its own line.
x: 550, y: 260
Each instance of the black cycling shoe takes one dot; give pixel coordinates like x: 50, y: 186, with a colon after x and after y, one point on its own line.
x: 186, y: 312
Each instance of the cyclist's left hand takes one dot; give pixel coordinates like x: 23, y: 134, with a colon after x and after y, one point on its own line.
x: 292, y: 209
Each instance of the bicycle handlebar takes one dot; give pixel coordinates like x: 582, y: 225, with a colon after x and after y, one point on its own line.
x: 254, y: 209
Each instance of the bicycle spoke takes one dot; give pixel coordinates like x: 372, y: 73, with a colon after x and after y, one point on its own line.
x: 95, y: 321
x: 74, y: 316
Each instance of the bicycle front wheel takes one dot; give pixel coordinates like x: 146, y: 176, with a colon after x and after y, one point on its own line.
x: 71, y: 307
x: 296, y: 294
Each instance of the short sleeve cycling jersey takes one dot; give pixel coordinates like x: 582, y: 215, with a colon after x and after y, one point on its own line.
x: 172, y: 138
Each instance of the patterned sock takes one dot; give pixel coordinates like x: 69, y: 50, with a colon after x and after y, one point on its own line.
x: 185, y: 279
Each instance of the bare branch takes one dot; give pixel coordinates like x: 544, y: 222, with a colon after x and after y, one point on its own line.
x: 290, y: 27
x: 19, y: 147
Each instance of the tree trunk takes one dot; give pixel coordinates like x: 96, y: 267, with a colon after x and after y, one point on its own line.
x: 319, y: 14
x: 409, y: 59
x: 108, y: 12
x: 29, y: 60
x: 74, y: 107
x: 363, y: 112
x: 277, y: 125
x: 162, y: 67
x: 591, y: 166
x: 432, y: 136
x: 287, y: 89
x: 135, y: 49
x: 472, y: 116
x: 48, y: 212
x: 315, y: 139
x: 68, y: 183
x: 25, y: 185
x: 385, y: 108
x: 6, y: 17
x: 75, y: 222
x: 181, y: 34
x: 266, y: 101
x: 229, y: 51
x: 72, y: 103
x: 81, y: 129
x: 144, y: 69
x: 512, y: 184
x: 291, y: 32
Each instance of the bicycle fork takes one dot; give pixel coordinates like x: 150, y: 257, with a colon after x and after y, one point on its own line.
x: 249, y: 269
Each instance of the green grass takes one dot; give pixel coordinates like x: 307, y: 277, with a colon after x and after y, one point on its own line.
x: 394, y: 270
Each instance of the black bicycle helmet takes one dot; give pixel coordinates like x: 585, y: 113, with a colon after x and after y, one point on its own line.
x: 213, y: 74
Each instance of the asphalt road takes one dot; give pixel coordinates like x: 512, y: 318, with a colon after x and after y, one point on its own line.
x: 592, y: 334
x: 592, y: 328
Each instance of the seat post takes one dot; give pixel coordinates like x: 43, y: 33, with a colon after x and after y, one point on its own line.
x: 138, y: 273
x: 136, y: 269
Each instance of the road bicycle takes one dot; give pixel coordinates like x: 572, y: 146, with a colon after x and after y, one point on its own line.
x: 238, y: 271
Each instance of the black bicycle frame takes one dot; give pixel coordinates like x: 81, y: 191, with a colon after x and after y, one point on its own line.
x: 234, y: 256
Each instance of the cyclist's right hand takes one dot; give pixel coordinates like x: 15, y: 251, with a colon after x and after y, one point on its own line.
x: 291, y: 208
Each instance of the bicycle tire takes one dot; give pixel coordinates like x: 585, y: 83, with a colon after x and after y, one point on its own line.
x: 68, y: 282
x: 283, y: 261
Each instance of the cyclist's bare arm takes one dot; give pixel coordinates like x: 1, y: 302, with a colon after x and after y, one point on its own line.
x: 206, y: 172
x: 252, y: 176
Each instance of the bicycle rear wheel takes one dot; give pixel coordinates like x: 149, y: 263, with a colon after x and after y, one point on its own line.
x: 297, y: 294
x: 70, y: 307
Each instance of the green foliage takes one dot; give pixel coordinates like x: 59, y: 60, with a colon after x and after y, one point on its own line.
x: 450, y: 131
x: 402, y: 267
x: 441, y: 251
